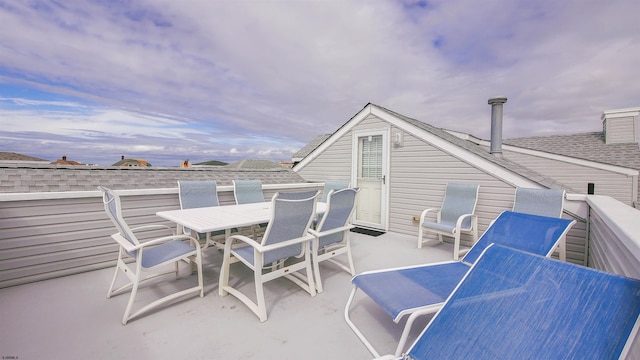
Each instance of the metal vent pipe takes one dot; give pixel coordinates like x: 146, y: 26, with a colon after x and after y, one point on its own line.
x: 496, y: 125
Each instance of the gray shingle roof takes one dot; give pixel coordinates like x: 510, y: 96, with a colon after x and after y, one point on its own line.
x: 482, y: 152
x: 48, y: 178
x: 587, y: 146
x: 300, y: 154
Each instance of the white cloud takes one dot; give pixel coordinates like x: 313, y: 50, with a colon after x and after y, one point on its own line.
x: 210, y: 76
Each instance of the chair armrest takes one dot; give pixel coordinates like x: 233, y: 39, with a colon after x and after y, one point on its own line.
x: 425, y: 212
x: 461, y: 218
x: 319, y: 234
x: 153, y: 226
x: 130, y: 247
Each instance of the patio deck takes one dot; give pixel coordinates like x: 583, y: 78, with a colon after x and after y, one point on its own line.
x: 71, y: 318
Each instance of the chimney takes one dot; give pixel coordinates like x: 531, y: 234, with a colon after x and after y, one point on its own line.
x: 64, y: 157
x: 496, y: 125
x: 122, y: 158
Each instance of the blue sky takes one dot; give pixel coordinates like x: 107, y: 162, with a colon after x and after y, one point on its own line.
x: 168, y: 80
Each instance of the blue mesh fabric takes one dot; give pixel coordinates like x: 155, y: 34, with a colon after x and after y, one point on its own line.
x: 248, y: 191
x: 525, y: 232
x: 459, y: 199
x: 333, y: 185
x: 340, y: 207
x: 165, y: 252
x: 291, y: 220
x: 197, y: 193
x: 543, y: 202
x: 514, y: 305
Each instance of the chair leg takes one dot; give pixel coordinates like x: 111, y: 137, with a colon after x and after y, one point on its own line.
x: 113, y: 281
x: 420, y: 234
x: 132, y: 297
x: 224, y: 275
x: 456, y: 245
x: 316, y: 270
x: 261, y: 310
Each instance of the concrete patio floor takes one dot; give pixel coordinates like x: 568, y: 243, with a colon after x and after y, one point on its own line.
x: 71, y: 318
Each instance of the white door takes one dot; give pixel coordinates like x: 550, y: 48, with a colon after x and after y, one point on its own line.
x: 370, y: 154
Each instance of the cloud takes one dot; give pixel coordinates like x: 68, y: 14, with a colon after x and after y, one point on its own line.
x: 227, y: 79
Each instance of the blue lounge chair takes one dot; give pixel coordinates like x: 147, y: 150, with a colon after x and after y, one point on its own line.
x: 421, y: 290
x: 516, y: 305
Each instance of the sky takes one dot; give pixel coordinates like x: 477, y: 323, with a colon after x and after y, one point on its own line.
x: 166, y: 80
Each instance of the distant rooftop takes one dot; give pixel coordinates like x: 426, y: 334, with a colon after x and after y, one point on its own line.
x: 588, y: 146
x: 11, y: 156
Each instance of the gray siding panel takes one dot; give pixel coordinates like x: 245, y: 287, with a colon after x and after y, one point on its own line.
x: 608, y: 183
x: 46, y: 238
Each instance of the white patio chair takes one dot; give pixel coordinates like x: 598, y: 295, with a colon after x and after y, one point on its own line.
x: 516, y: 305
x: 455, y: 216
x: 150, y: 258
x: 332, y: 234
x: 249, y: 192
x: 417, y: 291
x: 197, y: 194
x: 286, y: 236
x: 332, y: 185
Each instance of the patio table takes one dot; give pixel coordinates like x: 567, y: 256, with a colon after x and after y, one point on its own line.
x: 226, y: 217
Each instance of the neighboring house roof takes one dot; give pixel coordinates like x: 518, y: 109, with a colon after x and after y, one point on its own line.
x: 11, y: 156
x: 64, y: 161
x: 300, y: 154
x: 15, y: 178
x: 463, y: 149
x: 587, y: 146
x: 253, y: 164
x: 132, y: 162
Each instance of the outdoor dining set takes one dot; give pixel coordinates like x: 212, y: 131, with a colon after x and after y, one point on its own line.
x: 506, y: 297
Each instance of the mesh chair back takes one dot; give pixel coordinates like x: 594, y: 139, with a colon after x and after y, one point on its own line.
x: 197, y: 193
x: 543, y: 202
x: 333, y: 185
x: 290, y: 220
x: 516, y: 305
x: 299, y: 195
x: 112, y: 208
x: 459, y: 199
x: 340, y: 206
x: 248, y: 191
x: 525, y: 232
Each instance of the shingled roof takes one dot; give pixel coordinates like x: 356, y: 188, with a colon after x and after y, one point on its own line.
x: 588, y: 146
x: 16, y: 178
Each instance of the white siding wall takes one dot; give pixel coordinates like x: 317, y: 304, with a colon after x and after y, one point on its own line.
x: 418, y: 175
x: 46, y: 238
x: 618, y: 186
x: 620, y: 130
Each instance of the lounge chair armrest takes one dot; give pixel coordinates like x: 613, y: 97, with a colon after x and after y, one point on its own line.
x: 426, y: 211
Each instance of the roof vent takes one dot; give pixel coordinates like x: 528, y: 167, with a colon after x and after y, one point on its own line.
x: 496, y: 125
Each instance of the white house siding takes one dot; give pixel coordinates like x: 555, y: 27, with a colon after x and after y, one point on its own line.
x: 46, y: 238
x: 618, y: 186
x: 418, y: 175
x: 620, y: 130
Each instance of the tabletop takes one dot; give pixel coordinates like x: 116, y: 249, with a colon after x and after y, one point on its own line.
x: 210, y: 219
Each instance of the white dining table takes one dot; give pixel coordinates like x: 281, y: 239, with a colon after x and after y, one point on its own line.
x: 224, y: 217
